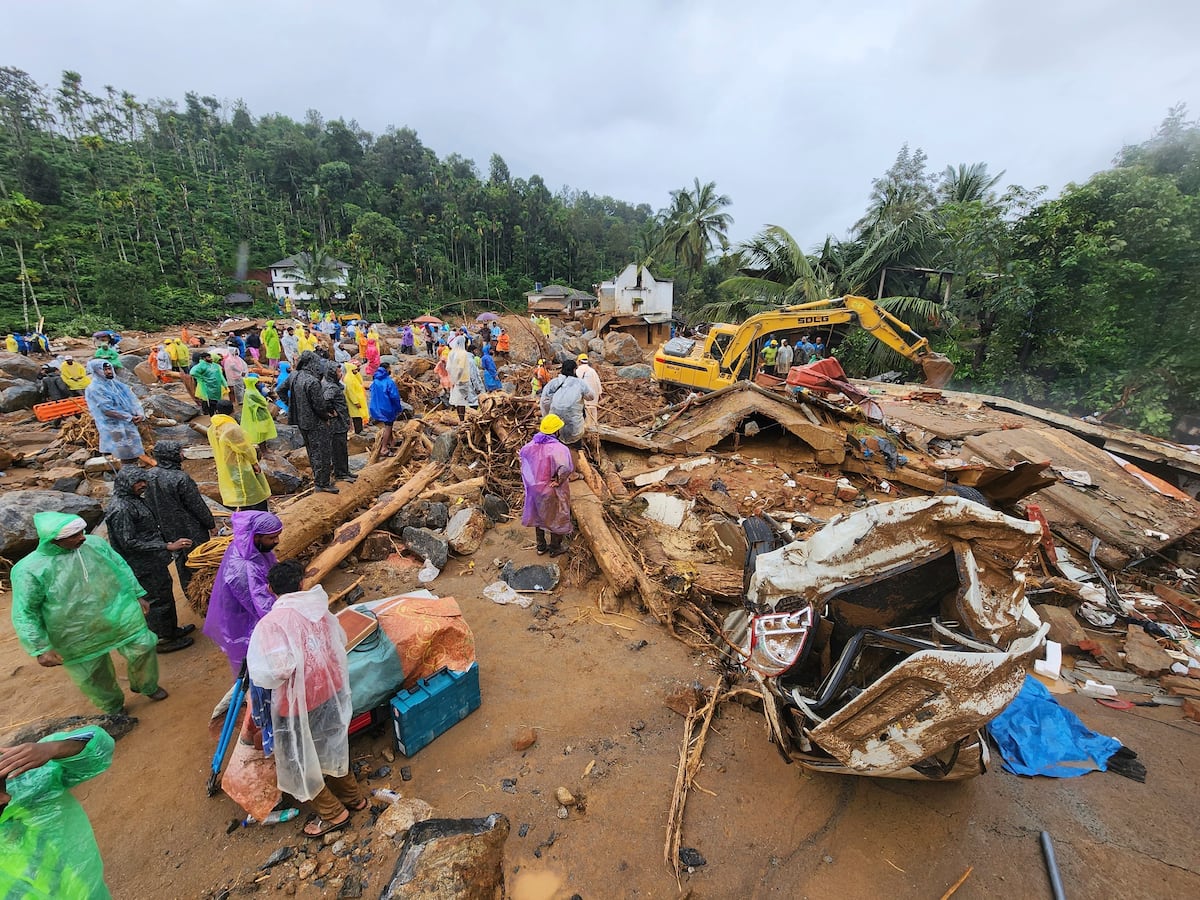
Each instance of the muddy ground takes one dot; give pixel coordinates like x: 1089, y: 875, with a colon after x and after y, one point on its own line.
x: 595, y: 692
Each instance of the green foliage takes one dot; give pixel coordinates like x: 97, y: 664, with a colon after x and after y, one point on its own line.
x: 126, y: 197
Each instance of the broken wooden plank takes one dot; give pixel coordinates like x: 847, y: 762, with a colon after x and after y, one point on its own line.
x: 900, y: 475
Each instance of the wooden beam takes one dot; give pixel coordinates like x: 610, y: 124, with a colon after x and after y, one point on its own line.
x: 346, y: 538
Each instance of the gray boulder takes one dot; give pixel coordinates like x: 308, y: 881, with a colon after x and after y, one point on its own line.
x: 430, y: 514
x: 131, y: 361
x: 281, y: 475
x: 465, y: 530
x: 496, y: 508
x: 289, y: 437
x: 443, y: 447
x: 166, y: 406
x: 451, y: 858
x: 17, y: 534
x: 622, y: 349
x: 573, y: 346
x: 596, y: 347
x: 185, y: 434
x: 17, y: 366
x: 426, y: 545
x: 22, y: 395
x: 641, y: 370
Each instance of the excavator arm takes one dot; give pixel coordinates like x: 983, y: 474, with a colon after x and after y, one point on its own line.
x: 875, y: 320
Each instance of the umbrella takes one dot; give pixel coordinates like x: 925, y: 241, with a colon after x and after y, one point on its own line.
x: 486, y: 317
x: 427, y: 320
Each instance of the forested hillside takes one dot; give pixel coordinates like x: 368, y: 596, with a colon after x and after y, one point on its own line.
x: 120, y: 211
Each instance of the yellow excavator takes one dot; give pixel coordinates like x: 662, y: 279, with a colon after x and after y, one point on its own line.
x: 729, y: 353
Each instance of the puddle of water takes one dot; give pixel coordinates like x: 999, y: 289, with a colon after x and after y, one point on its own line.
x: 535, y: 885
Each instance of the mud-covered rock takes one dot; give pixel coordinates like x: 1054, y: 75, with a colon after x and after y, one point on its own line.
x: 465, y: 530
x: 400, y: 816
x: 496, y: 508
x: 622, y: 349
x: 451, y: 858
x: 431, y: 514
x: 282, y: 476
x: 639, y: 371
x: 19, y: 367
x: 288, y: 437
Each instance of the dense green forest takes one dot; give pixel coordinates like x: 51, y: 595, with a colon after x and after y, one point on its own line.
x: 116, y: 211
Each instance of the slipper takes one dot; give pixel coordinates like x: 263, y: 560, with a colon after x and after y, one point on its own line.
x: 325, y: 827
x: 365, y: 803
x: 559, y: 551
x: 541, y: 549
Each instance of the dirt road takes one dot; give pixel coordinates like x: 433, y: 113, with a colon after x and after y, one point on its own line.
x: 595, y: 693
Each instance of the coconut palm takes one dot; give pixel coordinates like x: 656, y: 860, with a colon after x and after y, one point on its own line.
x: 317, y: 273
x: 696, y: 226
x: 967, y: 184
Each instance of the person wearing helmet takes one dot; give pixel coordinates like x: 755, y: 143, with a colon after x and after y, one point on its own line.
x: 546, y: 468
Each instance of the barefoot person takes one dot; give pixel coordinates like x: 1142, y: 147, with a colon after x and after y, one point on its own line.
x: 74, y: 602
x: 298, y: 653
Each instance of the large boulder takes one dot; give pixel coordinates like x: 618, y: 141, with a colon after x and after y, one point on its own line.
x: 596, y: 347
x: 167, y: 406
x: 425, y: 544
x: 465, y: 530
x: 451, y: 858
x: 185, y: 434
x: 431, y: 514
x: 17, y: 534
x: 22, y: 395
x: 622, y: 349
x: 132, y: 360
x: 573, y: 346
x: 282, y: 476
x: 641, y: 370
x: 17, y: 366
x: 288, y: 437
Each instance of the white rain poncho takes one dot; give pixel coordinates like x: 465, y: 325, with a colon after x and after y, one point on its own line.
x: 298, y: 652
x: 564, y: 396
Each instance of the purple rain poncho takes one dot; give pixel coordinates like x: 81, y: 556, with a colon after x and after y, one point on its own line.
x: 240, y: 596
x: 546, y: 505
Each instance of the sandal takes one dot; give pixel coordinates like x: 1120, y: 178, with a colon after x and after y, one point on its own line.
x: 363, y: 804
x: 541, y: 549
x: 323, y: 826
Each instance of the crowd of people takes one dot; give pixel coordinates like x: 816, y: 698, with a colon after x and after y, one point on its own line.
x: 778, y: 356
x: 78, y: 598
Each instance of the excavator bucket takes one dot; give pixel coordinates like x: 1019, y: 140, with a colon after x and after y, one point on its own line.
x: 938, y: 370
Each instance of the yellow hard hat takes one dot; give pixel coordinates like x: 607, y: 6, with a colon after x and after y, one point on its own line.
x: 550, y: 424
x: 582, y: 357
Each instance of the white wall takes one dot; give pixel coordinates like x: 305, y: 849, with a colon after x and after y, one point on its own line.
x: 283, y: 284
x: 622, y: 297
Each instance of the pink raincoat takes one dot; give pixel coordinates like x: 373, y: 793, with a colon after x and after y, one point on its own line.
x: 545, y: 460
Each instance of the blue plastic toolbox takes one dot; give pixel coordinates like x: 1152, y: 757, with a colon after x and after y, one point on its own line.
x: 432, y: 706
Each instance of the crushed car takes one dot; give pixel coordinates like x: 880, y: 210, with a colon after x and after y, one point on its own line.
x: 886, y: 641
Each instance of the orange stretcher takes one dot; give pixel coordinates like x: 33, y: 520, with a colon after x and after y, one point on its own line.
x: 56, y: 409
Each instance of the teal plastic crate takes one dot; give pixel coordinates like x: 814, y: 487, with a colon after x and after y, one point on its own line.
x: 432, y: 706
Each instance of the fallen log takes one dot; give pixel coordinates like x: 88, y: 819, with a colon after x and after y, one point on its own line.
x: 584, y: 468
x: 612, y: 477
x: 450, y: 492
x: 346, y: 538
x: 618, y: 568
x: 309, y: 521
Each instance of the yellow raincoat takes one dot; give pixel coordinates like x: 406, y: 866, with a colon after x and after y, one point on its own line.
x: 356, y: 395
x: 74, y: 374
x: 11, y: 345
x: 240, y: 483
x: 181, y: 355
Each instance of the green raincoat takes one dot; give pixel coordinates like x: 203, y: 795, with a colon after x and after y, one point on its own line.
x: 256, y: 413
x: 82, y: 603
x: 109, y: 354
x: 270, y: 342
x: 47, y: 848
x: 210, y: 380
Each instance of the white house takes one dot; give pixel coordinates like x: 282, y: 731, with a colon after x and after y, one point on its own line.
x: 635, y: 292
x: 285, y: 278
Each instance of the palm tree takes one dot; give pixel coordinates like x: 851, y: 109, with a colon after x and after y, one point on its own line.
x: 776, y: 270
x: 967, y: 184
x: 696, y: 225
x: 317, y: 273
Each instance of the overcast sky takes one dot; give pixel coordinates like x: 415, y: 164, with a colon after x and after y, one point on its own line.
x: 790, y: 107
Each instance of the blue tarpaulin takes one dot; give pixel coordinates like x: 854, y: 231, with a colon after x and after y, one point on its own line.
x: 1036, y: 736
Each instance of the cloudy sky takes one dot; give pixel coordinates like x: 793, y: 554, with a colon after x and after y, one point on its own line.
x: 790, y: 107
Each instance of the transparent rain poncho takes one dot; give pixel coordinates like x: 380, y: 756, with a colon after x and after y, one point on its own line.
x: 82, y: 603
x: 298, y: 652
x: 236, y: 458
x: 47, y: 848
x: 113, y: 407
x: 547, y: 505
